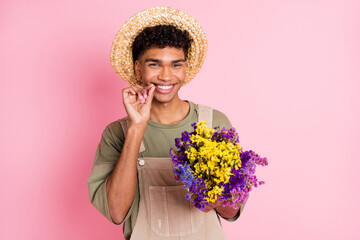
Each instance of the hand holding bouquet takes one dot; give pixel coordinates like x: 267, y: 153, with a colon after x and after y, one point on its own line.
x: 213, y: 167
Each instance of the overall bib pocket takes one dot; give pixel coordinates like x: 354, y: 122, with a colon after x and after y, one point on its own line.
x: 171, y: 214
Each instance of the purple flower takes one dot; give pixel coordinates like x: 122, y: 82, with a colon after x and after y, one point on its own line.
x: 240, y: 183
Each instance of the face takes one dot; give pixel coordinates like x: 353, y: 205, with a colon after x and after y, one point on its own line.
x: 165, y: 68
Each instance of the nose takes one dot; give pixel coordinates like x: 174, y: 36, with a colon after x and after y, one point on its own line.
x: 165, y: 74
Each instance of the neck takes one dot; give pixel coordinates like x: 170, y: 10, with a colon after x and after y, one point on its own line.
x: 170, y: 112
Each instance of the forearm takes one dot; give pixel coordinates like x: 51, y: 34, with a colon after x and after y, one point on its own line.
x: 227, y: 211
x: 121, y: 184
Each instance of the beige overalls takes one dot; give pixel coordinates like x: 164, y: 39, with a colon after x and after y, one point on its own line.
x: 164, y: 212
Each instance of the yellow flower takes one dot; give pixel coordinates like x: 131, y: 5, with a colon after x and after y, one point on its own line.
x: 213, y: 161
x: 214, y: 193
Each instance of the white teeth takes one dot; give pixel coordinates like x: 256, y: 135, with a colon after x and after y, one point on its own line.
x: 165, y: 87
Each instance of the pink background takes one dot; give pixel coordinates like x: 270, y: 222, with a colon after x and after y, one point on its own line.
x: 285, y: 72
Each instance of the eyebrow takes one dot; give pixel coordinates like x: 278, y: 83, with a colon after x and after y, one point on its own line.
x: 159, y: 61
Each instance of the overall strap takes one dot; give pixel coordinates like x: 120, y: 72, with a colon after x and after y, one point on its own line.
x: 125, y: 122
x: 205, y: 113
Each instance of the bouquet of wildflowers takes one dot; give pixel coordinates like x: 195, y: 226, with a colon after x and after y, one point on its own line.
x: 213, y: 167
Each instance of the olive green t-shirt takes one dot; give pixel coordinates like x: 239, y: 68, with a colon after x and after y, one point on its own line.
x: 158, y: 139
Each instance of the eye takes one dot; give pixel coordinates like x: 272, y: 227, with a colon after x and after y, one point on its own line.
x: 177, y: 65
x: 153, y: 64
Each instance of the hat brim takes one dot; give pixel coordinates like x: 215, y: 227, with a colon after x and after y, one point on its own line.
x: 121, y: 51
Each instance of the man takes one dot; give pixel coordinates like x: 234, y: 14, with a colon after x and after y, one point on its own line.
x: 132, y: 180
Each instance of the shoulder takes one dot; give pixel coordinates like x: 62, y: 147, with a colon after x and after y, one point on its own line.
x: 219, y: 118
x: 115, y: 131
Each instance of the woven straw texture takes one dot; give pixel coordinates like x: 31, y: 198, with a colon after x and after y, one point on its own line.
x: 121, y: 52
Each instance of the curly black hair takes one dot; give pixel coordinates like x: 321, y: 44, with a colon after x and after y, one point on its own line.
x: 160, y: 36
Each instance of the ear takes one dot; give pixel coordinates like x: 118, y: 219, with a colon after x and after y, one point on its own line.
x: 137, y: 68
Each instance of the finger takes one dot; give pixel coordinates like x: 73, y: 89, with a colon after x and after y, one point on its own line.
x: 217, y: 203
x: 132, y: 91
x: 125, y: 90
x: 137, y: 90
x: 138, y: 87
x: 144, y: 92
x: 211, y: 206
x: 128, y: 92
x: 141, y: 97
x: 146, y: 87
x: 208, y: 207
x: 150, y: 95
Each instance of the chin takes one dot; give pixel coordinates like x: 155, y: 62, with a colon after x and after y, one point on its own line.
x: 164, y: 99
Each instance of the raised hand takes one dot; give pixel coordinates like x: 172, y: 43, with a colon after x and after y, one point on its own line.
x: 137, y: 101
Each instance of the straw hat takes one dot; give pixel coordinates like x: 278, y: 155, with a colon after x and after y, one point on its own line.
x: 121, y: 51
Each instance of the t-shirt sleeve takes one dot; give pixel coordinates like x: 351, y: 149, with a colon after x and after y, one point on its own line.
x: 106, y: 157
x: 221, y: 120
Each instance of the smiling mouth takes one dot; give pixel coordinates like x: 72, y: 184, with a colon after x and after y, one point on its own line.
x: 164, y: 88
